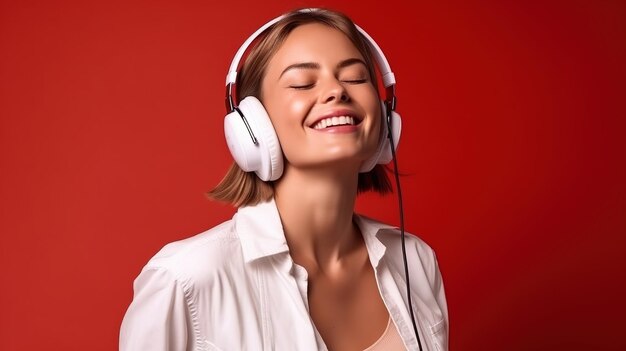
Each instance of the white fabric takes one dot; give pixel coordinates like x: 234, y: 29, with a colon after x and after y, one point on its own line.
x: 235, y: 287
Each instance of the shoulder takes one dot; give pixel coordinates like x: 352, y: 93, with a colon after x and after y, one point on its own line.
x: 198, y: 256
x: 168, y: 289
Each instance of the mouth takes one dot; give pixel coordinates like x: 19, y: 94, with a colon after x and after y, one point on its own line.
x: 334, y: 122
x: 337, y: 119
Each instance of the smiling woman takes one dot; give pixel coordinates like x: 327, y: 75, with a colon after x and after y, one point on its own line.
x: 316, y: 77
x: 307, y: 136
x: 244, y: 188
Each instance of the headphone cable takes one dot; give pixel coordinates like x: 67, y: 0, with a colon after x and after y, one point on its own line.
x: 402, y: 235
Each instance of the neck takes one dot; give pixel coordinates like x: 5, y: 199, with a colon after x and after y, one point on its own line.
x: 316, y: 209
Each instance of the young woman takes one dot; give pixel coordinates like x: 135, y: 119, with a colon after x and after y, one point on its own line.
x: 296, y: 268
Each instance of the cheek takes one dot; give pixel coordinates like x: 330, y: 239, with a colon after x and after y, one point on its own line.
x: 288, y: 111
x: 296, y: 109
x: 376, y: 129
x: 378, y: 122
x: 376, y: 135
x: 287, y: 116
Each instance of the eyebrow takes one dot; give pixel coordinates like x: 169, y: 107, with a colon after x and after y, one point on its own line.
x: 314, y: 65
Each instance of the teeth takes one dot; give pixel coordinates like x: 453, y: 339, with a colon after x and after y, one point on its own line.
x: 334, y: 121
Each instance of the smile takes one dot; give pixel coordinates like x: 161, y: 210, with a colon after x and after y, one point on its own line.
x: 334, y: 121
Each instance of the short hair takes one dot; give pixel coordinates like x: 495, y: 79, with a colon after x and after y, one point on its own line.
x: 241, y: 188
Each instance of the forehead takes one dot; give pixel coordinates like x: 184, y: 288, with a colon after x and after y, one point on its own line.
x: 314, y: 42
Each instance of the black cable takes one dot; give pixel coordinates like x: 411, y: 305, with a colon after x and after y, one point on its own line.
x: 401, y: 209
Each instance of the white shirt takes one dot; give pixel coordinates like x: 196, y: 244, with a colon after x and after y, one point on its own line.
x: 235, y: 287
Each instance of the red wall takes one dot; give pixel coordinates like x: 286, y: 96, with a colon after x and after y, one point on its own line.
x: 513, y: 150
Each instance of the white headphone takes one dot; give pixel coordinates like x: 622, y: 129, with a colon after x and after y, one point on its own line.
x: 251, y: 137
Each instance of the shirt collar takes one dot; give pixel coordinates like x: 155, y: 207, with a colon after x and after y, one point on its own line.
x: 261, y: 232
x: 371, y: 229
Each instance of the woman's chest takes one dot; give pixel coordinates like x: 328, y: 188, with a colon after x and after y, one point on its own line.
x: 348, y: 312
x: 277, y: 310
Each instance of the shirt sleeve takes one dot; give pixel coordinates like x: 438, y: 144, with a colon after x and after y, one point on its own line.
x: 438, y: 289
x: 440, y: 296
x: 158, y: 317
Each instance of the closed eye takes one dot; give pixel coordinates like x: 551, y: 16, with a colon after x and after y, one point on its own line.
x: 302, y: 87
x: 355, y: 81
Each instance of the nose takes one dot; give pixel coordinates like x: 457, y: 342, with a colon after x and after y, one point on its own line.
x: 335, y: 92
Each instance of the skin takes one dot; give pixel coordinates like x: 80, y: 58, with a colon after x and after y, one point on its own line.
x: 316, y: 194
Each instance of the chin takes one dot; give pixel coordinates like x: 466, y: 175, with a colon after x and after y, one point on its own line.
x: 343, y: 160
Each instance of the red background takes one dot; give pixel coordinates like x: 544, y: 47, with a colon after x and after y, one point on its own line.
x: 513, y: 150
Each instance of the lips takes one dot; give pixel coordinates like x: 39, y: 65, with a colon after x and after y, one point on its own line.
x: 336, y: 119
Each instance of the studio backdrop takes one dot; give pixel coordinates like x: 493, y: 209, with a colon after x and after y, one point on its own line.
x: 512, y: 157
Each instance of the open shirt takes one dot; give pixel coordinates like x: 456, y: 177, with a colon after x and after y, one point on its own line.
x: 236, y: 287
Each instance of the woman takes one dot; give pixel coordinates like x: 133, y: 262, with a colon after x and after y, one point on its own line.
x: 296, y: 269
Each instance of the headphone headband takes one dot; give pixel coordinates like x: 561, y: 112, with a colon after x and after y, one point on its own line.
x: 389, y: 79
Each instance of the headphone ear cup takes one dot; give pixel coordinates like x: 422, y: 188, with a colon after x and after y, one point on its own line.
x: 396, y: 128
x: 265, y: 158
x: 383, y: 153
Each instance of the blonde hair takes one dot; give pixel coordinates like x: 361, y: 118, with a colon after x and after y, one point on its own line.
x: 241, y: 188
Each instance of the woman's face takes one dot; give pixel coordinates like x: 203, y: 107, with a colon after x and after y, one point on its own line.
x: 321, y: 99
